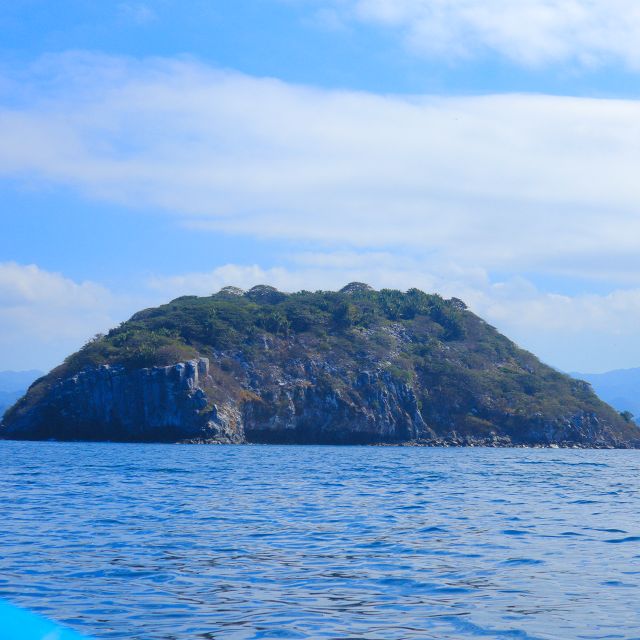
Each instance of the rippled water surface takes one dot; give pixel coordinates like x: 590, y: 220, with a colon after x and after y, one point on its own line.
x: 146, y: 541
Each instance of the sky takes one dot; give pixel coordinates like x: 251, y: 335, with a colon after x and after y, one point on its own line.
x: 484, y: 149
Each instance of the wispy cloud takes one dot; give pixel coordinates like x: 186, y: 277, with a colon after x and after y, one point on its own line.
x: 530, y: 32
x: 504, y: 181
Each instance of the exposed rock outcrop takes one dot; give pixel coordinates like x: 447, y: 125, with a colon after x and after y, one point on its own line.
x: 369, y: 408
x: 170, y: 404
x: 159, y: 404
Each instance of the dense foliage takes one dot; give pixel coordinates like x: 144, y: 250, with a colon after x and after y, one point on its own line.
x: 231, y: 319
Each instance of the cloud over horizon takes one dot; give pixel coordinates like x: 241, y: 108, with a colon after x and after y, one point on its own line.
x: 44, y: 316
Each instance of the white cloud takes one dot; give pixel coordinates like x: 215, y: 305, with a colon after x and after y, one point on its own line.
x: 585, y: 332
x: 505, y: 181
x: 530, y: 32
x: 45, y: 316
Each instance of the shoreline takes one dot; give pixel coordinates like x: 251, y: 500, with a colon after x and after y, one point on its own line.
x: 431, y: 444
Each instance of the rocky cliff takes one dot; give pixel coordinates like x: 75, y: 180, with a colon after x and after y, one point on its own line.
x: 166, y: 404
x: 348, y: 367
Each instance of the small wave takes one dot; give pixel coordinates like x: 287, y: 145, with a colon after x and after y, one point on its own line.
x: 616, y: 583
x: 468, y: 627
x: 513, y: 562
x: 585, y: 464
x: 514, y: 532
x: 621, y: 540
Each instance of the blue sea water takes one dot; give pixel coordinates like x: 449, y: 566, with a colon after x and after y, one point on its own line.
x: 231, y: 542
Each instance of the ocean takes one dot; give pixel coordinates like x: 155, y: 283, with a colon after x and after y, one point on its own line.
x: 241, y: 542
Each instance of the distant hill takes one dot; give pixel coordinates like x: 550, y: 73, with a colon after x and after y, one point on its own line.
x: 354, y: 366
x: 13, y: 385
x: 620, y: 388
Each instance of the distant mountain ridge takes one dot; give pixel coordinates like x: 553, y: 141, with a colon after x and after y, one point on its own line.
x: 14, y: 384
x: 355, y: 366
x: 620, y: 388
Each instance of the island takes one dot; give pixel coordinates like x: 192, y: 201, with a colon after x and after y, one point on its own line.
x: 355, y: 366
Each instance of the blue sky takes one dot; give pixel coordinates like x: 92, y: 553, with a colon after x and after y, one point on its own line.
x: 484, y: 149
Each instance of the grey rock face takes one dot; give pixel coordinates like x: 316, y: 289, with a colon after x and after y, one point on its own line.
x: 373, y: 408
x: 111, y: 403
x: 171, y: 404
x: 581, y: 429
x: 307, y: 402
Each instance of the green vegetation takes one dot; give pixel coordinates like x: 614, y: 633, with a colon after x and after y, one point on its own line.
x: 229, y: 321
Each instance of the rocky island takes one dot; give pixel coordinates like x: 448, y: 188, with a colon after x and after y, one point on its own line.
x: 356, y: 366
